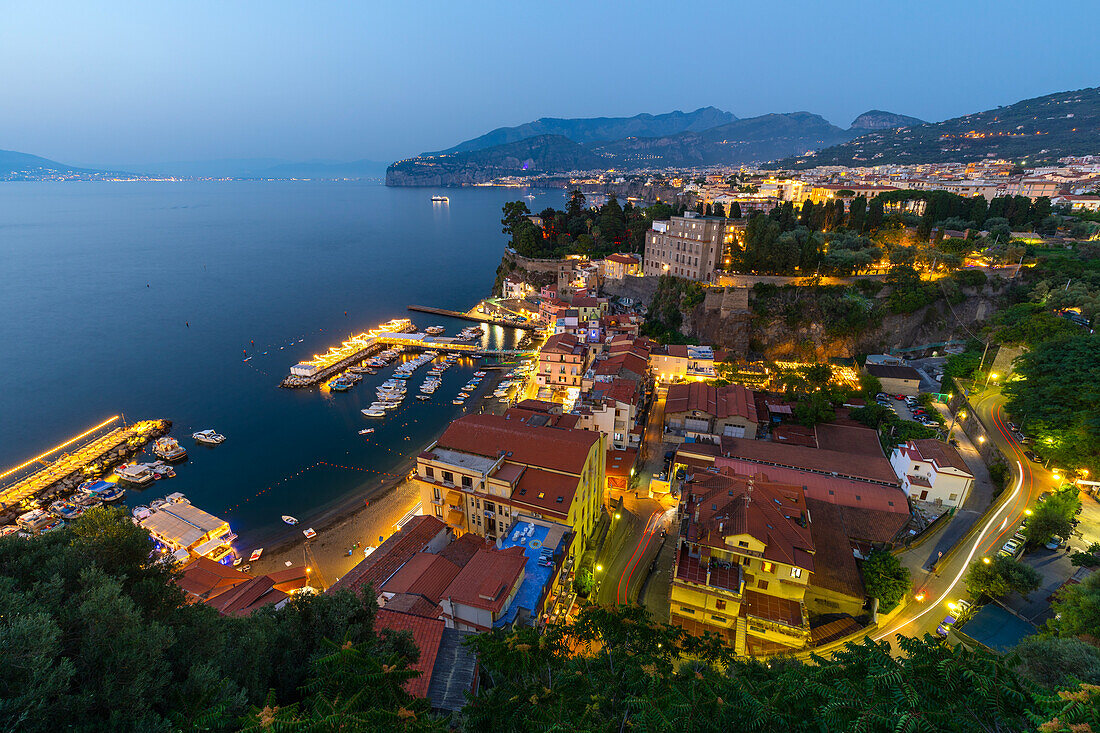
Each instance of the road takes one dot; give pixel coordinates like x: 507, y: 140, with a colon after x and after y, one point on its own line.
x: 1028, y: 481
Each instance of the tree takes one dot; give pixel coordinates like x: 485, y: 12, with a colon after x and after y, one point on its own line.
x: 1052, y: 517
x: 1056, y: 662
x: 857, y: 213
x: 813, y: 409
x: 875, y: 215
x: 885, y: 578
x: 514, y: 213
x: 719, y: 209
x: 999, y: 577
x: 735, y: 210
x: 1077, y: 611
x: 577, y: 204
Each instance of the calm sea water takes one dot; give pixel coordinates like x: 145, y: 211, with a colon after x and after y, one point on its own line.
x: 142, y: 298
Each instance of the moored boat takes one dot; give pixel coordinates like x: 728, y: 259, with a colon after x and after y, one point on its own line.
x: 309, y: 533
x: 256, y: 554
x: 208, y: 437
x: 169, y: 449
x: 135, y: 473
x: 289, y: 520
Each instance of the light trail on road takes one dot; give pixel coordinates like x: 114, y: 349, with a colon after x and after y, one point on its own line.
x: 621, y: 597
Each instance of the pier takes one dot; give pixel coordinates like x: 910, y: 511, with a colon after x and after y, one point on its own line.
x: 476, y: 317
x: 89, y: 459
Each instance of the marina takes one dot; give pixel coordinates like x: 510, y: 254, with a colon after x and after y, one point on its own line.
x: 477, y: 317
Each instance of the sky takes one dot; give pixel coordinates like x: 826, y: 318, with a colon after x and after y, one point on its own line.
x: 144, y: 82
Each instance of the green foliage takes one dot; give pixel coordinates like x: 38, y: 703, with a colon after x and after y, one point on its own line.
x: 869, y: 385
x: 885, y: 578
x: 1088, y: 558
x: 999, y: 475
x: 909, y: 292
x: 1054, y: 394
x: 95, y: 635
x: 1054, y: 662
x: 1029, y: 324
x: 813, y: 409
x: 1052, y: 517
x: 1077, y: 611
x: 579, y: 229
x: 583, y: 583
x: 674, y: 297
x: 962, y: 366
x: 999, y: 577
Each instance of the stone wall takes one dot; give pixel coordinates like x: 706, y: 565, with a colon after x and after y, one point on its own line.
x: 747, y: 281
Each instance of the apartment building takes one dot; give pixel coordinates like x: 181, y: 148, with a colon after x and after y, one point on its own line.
x: 563, y: 360
x: 932, y: 471
x: 744, y: 559
x: 688, y: 246
x: 485, y: 470
x: 611, y: 408
x: 679, y: 362
x: 618, y: 266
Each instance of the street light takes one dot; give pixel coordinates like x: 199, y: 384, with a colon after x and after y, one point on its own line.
x: 986, y: 560
x: 599, y: 568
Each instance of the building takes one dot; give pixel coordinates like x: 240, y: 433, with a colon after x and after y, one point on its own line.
x: 448, y: 668
x: 688, y: 246
x: 234, y: 593
x: 904, y: 380
x: 620, y: 266
x: 419, y: 534
x: 590, y: 308
x: 700, y: 411
x: 188, y: 532
x: 611, y: 408
x: 1078, y: 203
x: 679, y: 362
x: 485, y: 470
x: 563, y: 360
x: 515, y: 289
x: 743, y: 562
x: 932, y: 471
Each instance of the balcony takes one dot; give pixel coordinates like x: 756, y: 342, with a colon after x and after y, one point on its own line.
x: 714, y: 575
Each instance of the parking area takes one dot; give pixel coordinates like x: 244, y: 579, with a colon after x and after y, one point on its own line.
x: 1055, y: 568
x: 908, y: 409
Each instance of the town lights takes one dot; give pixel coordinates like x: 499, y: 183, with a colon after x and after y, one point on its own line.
x: 919, y: 597
x: 617, y: 515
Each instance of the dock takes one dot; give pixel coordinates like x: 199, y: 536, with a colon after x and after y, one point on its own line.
x: 95, y: 451
x: 475, y: 317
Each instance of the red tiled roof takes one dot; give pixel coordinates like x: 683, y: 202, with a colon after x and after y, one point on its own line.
x: 834, y: 564
x: 852, y: 439
x: 539, y: 406
x: 426, y: 633
x: 721, y: 402
x: 246, y: 598
x: 942, y: 454
x: 620, y: 462
x: 724, y: 504
x: 488, y: 579
x: 392, y: 554
x: 623, y: 259
x: 414, y: 605
x: 543, y: 489
x: 202, y: 577
x: 871, y: 525
x: 425, y: 574
x: 772, y: 608
x: 490, y: 435
x: 461, y: 550
x: 834, y: 630
x: 562, y: 343
x: 794, y: 435
x: 870, y: 468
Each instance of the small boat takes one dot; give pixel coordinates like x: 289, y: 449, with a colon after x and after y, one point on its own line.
x: 135, y: 473
x: 423, y: 397
x: 169, y: 449
x: 157, y: 504
x: 309, y: 533
x: 440, y: 200
x: 339, y: 385
x: 458, y: 401
x: 66, y: 510
x: 366, y: 431
x: 256, y: 553
x: 208, y: 437
x: 480, y: 374
x: 237, y: 561
x: 434, y: 330
x: 374, y: 412
x: 289, y: 520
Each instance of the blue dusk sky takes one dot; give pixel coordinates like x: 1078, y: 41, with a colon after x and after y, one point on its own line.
x: 167, y: 80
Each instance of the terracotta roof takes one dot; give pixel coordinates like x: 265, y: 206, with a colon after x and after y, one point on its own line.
x: 723, y: 504
x: 623, y: 259
x: 942, y: 454
x: 203, y: 578
x: 461, y: 550
x: 722, y: 402
x: 490, y: 435
x: 620, y: 462
x: 625, y: 361
x: 834, y: 630
x: 539, y: 406
x: 871, y: 525
x: 794, y: 435
x: 415, y: 605
x: 425, y: 574
x: 870, y: 468
x: 547, y: 491
x: 392, y: 554
x: 889, y: 371
x: 562, y: 343
x: 852, y: 439
x: 426, y: 634
x: 246, y: 598
x: 488, y: 579
x: 771, y: 607
x: 834, y: 564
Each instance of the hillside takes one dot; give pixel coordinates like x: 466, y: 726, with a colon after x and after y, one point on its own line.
x: 876, y: 119
x: 24, y: 166
x: 599, y: 129
x: 541, y: 154
x: 1039, y: 129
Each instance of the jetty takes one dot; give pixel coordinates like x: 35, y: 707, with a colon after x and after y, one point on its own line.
x: 80, y: 458
x: 476, y: 317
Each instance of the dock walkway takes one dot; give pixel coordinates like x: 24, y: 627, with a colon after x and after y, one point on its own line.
x: 68, y: 470
x: 476, y: 317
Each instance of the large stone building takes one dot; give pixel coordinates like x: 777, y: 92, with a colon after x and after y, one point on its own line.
x: 563, y: 360
x: 698, y: 410
x: 485, y: 470
x: 688, y: 246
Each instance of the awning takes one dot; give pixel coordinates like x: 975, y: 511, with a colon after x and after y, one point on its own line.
x: 456, y: 518
x: 454, y: 498
x: 209, y: 546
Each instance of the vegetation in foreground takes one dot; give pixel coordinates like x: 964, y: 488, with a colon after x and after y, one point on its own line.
x: 95, y: 636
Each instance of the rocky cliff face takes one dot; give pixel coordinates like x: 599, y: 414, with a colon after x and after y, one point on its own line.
x: 876, y: 119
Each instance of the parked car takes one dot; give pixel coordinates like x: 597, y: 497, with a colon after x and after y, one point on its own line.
x: 1033, y: 456
x: 1055, y: 543
x: 941, y: 630
x: 1012, y: 427
x: 1043, y: 496
x: 1010, y: 548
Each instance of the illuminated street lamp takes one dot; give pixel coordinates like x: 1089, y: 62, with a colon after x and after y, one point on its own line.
x: 599, y: 568
x: 986, y: 560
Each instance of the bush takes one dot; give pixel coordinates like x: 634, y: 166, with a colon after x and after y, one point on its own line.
x: 885, y: 578
x: 999, y: 577
x: 970, y: 278
x: 999, y: 474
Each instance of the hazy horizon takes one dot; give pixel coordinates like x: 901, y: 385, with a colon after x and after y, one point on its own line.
x: 140, y: 84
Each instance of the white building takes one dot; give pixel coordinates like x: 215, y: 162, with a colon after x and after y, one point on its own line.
x: 932, y: 471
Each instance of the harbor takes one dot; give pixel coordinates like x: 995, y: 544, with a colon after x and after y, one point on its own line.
x: 95, y: 451
x: 476, y: 317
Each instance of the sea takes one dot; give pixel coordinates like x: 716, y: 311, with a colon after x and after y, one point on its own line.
x: 191, y: 301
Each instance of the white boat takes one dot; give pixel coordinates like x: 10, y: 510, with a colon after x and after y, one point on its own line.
x: 289, y: 520
x: 256, y: 554
x: 434, y: 331
x: 208, y: 437
x: 440, y: 200
x: 309, y: 533
x: 372, y: 412
x: 169, y: 449
x: 135, y: 473
x: 366, y: 431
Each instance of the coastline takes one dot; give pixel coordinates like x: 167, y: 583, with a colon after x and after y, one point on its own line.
x: 361, y: 518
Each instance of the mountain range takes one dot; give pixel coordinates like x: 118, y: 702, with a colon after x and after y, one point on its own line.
x: 707, y: 136
x: 1031, y: 131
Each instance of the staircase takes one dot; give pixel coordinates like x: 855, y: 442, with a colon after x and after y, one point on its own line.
x: 740, y: 646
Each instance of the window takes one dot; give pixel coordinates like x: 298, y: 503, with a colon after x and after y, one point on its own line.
x: 742, y: 543
x: 489, y: 506
x: 762, y: 584
x: 467, y: 482
x: 767, y: 566
x: 429, y: 471
x: 435, y: 494
x: 719, y: 619
x: 796, y: 572
x: 439, y: 511
x: 952, y: 497
x: 448, y: 477
x: 542, y: 494
x: 720, y: 604
x: 685, y: 609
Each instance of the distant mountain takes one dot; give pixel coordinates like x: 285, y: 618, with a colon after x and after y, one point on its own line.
x: 876, y: 119
x: 743, y: 141
x: 261, y: 168
x: 1036, y: 130
x: 16, y: 166
x: 539, y: 154
x: 600, y: 129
